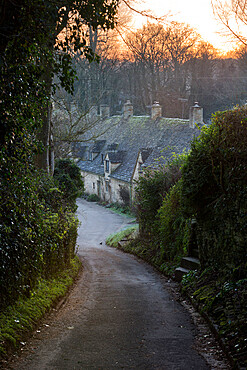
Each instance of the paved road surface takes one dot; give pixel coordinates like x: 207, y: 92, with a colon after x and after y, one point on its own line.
x: 119, y: 315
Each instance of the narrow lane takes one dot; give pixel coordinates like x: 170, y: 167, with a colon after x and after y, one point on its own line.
x: 118, y: 316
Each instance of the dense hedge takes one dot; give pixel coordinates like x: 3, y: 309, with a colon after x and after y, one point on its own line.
x: 37, y: 233
x: 174, y: 228
x: 215, y: 189
x: 208, y: 185
x: 162, y: 224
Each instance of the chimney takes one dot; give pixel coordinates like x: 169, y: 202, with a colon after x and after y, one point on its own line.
x: 196, y: 115
x: 156, y: 110
x: 127, y: 110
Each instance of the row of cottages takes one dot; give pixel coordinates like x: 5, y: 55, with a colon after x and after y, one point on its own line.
x: 111, y: 165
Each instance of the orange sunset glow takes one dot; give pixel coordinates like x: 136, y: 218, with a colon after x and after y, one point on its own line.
x: 198, y: 15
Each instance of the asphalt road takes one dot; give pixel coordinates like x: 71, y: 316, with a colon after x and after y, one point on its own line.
x: 118, y: 316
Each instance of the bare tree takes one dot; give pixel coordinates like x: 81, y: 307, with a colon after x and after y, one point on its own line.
x: 159, y: 56
x: 71, y: 125
x: 233, y: 16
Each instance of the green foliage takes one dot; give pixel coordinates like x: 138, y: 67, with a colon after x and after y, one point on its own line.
x: 151, y: 190
x: 223, y: 297
x: 37, y: 234
x: 164, y: 230
x: 120, y: 209
x: 68, y: 175
x: 215, y: 189
x: 28, y: 59
x: 93, y: 198
x: 37, y: 229
x: 18, y: 319
x: 173, y: 226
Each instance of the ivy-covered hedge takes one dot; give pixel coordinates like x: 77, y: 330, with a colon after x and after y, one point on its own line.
x: 162, y: 224
x: 174, y: 228
x: 214, y: 187
x: 208, y: 185
x: 37, y: 232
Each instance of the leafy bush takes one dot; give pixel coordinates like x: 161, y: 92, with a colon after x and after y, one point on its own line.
x: 174, y: 228
x: 37, y: 234
x: 223, y: 297
x: 215, y: 189
x: 93, y: 198
x: 164, y: 230
x: 124, y: 196
x: 21, y: 317
x: 151, y: 190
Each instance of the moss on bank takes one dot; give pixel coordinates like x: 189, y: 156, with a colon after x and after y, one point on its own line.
x: 221, y: 297
x: 19, y: 319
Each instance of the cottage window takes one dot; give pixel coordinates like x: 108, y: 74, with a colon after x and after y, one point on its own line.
x: 106, y: 187
x: 93, y: 185
x: 107, y: 166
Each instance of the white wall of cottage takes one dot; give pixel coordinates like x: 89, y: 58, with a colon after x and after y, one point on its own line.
x: 108, y: 189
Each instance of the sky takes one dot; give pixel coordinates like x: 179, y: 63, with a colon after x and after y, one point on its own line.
x: 197, y: 13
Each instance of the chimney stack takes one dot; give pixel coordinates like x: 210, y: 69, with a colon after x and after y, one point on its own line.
x: 196, y: 115
x: 156, y: 110
x: 127, y: 110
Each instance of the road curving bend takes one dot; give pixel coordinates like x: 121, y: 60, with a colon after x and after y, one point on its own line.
x: 118, y: 316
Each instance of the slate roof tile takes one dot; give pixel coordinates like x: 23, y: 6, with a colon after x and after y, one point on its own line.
x: 158, y: 138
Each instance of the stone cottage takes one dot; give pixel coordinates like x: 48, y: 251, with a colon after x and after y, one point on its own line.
x: 111, y: 165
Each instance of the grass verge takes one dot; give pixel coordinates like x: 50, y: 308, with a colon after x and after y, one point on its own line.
x: 18, y: 320
x: 142, y: 249
x: 128, y: 233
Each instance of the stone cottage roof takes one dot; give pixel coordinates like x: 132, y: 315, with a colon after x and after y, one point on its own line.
x: 117, y: 157
x: 161, y: 137
x: 98, y: 146
x: 112, y: 147
x: 79, y: 150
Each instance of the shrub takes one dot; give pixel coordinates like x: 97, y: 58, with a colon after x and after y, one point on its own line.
x: 124, y: 196
x: 151, y: 190
x: 173, y: 226
x: 37, y: 234
x: 93, y: 198
x: 214, y: 189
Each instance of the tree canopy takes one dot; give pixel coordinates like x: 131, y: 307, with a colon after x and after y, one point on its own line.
x: 38, y: 38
